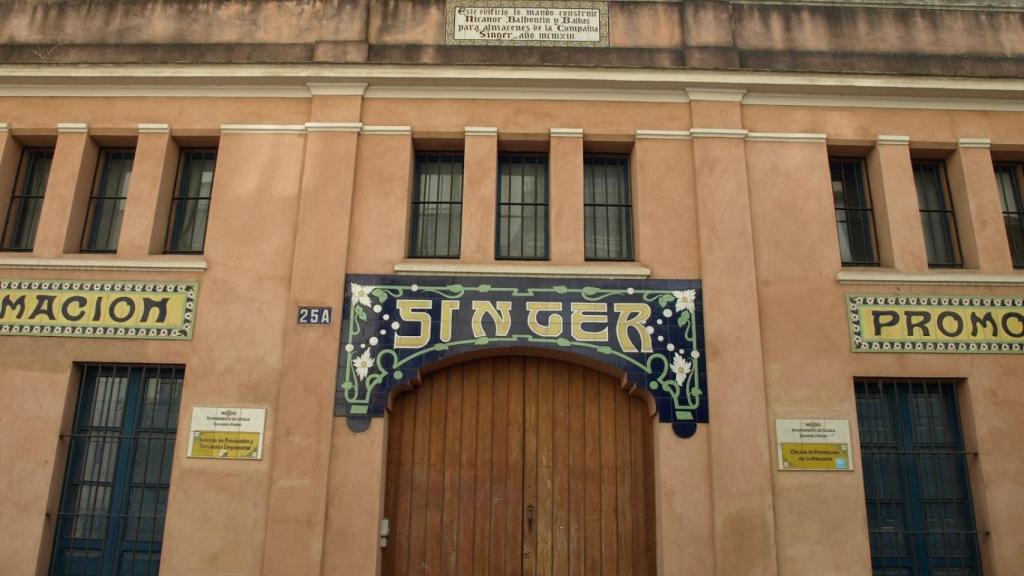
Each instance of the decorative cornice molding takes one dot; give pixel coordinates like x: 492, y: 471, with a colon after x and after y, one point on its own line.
x: 974, y: 143
x: 715, y: 94
x: 386, y: 130
x: 336, y: 89
x: 154, y: 128
x: 786, y: 137
x: 481, y: 131
x: 262, y: 128
x: 663, y: 134
x: 718, y: 133
x: 566, y: 132
x: 893, y: 139
x: 4, y: 127
x: 625, y: 271
x: 525, y: 93
x: 112, y: 264
x: 965, y: 278
x: 334, y: 126
x: 880, y: 100
x: 72, y: 127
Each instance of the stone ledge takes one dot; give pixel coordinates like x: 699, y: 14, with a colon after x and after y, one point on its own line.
x: 112, y: 264
x: 543, y: 270
x: 944, y: 278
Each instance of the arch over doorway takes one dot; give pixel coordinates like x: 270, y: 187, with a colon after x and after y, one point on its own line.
x: 520, y: 465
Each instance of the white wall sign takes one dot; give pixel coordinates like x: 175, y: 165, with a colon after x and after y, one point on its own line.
x: 813, y: 444
x: 527, y: 23
x: 226, y: 433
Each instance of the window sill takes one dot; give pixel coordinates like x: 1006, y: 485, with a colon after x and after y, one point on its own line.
x: 936, y: 278
x: 543, y: 270
x: 92, y: 262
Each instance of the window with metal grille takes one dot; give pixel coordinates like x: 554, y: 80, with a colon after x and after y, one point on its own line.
x: 855, y: 220
x: 607, y: 210
x: 436, y: 223
x: 27, y: 199
x: 106, y: 205
x: 1009, y: 176
x: 190, y: 206
x: 522, y: 231
x: 920, y: 516
x: 937, y: 218
x: 111, y: 518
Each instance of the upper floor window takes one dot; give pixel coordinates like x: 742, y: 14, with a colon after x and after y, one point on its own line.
x: 27, y: 200
x: 607, y: 209
x: 190, y: 206
x: 106, y: 205
x: 937, y: 217
x: 855, y: 220
x: 522, y: 231
x: 1009, y: 177
x: 436, y: 220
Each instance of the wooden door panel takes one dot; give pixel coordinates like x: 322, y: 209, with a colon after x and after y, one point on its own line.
x: 519, y: 466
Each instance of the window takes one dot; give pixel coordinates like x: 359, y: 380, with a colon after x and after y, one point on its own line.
x: 522, y: 206
x: 106, y: 205
x: 190, y: 206
x: 607, y: 211
x: 920, y: 517
x: 27, y: 199
x: 112, y: 511
x: 1009, y: 178
x: 937, y: 218
x: 436, y: 229
x: 855, y: 220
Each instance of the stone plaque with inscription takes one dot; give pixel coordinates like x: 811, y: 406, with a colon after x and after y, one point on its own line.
x: 526, y: 23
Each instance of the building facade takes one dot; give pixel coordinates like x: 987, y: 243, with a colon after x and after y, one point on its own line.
x: 478, y: 287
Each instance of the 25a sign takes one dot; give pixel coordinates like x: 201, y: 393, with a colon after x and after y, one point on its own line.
x: 315, y: 314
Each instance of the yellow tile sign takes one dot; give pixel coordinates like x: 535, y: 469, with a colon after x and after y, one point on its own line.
x: 98, y: 309
x: 815, y: 456
x: 936, y: 324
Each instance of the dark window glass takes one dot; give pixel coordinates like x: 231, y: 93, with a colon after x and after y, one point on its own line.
x: 1009, y: 178
x: 607, y: 210
x: 190, y: 206
x: 106, y: 205
x: 522, y: 207
x: 27, y: 199
x: 920, y: 515
x: 112, y: 511
x: 937, y: 218
x: 436, y: 229
x: 855, y: 220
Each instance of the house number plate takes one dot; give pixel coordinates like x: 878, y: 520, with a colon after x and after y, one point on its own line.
x: 315, y: 314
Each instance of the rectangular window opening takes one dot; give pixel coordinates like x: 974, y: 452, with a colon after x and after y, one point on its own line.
x: 106, y: 204
x: 855, y: 219
x: 522, y: 231
x: 938, y: 220
x: 190, y: 205
x: 607, y: 208
x: 1010, y: 178
x: 920, y: 512
x: 435, y: 229
x: 111, y: 517
x: 26, y: 204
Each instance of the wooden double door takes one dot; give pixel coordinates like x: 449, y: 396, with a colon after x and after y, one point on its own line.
x: 519, y: 465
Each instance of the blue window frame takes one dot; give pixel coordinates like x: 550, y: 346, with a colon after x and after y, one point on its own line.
x: 111, y: 518
x: 920, y: 516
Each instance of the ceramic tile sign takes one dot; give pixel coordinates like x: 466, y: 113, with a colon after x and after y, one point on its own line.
x: 126, y: 309
x: 526, y: 23
x: 226, y: 433
x: 939, y: 324
x: 650, y: 331
x: 813, y: 444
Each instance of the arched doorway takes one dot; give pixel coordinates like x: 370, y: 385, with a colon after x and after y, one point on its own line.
x: 519, y: 465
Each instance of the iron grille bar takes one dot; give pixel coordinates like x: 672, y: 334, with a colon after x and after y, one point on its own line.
x: 938, y: 218
x: 522, y: 210
x: 607, y: 208
x: 436, y: 219
x: 106, y: 204
x: 26, y: 201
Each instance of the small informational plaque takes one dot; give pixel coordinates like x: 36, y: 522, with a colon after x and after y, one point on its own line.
x: 813, y: 444
x: 317, y: 315
x: 226, y: 433
x: 526, y: 23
